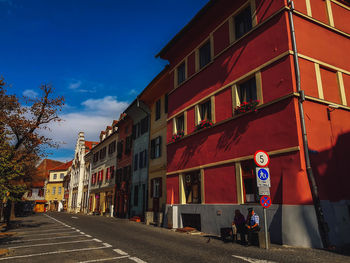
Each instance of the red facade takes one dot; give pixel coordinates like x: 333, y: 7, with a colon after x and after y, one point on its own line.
x: 221, y: 156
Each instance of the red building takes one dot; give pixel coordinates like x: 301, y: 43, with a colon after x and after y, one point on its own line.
x: 235, y: 68
x: 124, y: 162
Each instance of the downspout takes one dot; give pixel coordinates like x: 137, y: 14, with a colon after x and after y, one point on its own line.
x: 322, y: 225
x: 149, y: 129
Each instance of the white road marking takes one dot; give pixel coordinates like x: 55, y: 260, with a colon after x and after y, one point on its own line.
x: 106, y: 245
x: 97, y: 240
x: 53, y: 252
x: 43, y: 234
x: 87, y: 235
x: 41, y: 231
x: 137, y: 260
x: 103, y: 259
x: 254, y: 260
x: 82, y: 233
x: 75, y: 217
x: 55, y: 219
x: 50, y: 244
x: 120, y: 252
x: 38, y: 239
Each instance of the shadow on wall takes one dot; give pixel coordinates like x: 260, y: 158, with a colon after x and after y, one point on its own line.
x: 331, y: 170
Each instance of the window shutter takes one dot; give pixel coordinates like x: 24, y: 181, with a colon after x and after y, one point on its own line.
x: 160, y: 187
x: 152, y: 148
x: 134, y: 132
x: 152, y: 188
x: 145, y: 159
x: 160, y: 145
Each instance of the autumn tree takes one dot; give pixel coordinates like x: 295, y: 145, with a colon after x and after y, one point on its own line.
x: 22, y: 142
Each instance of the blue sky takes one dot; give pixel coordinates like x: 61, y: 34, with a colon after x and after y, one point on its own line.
x: 98, y: 54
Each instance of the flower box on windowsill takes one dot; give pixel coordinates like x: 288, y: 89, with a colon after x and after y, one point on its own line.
x: 177, y: 136
x: 204, y: 124
x: 247, y: 107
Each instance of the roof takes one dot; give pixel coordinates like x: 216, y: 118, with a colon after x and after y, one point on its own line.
x: 172, y: 42
x: 62, y: 167
x: 89, y: 144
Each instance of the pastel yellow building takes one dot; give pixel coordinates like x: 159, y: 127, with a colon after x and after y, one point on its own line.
x: 155, y: 96
x: 54, y: 190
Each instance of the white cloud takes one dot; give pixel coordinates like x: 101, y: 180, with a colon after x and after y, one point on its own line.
x: 105, y: 106
x: 132, y: 92
x: 30, y: 93
x: 92, y: 119
x: 74, y: 85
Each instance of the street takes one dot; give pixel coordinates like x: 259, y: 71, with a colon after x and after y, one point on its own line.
x: 62, y: 237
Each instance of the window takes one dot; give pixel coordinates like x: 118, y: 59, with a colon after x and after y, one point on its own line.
x: 59, y: 190
x: 249, y: 182
x: 100, y: 176
x: 145, y: 158
x: 55, y: 176
x: 205, y: 110
x: 156, y: 147
x: 243, y: 22
x: 125, y: 173
x: 120, y: 149
x: 141, y: 160
x: 156, y: 188
x: 30, y: 193
x: 136, y: 195
x: 247, y: 90
x: 180, y: 123
x: 144, y: 125
x: 103, y: 153
x: 95, y: 157
x: 166, y: 103
x: 61, y: 175
x: 158, y: 110
x: 204, y: 54
x: 41, y: 192
x: 192, y: 187
x: 111, y: 148
x: 181, y: 73
x: 54, y: 190
x: 128, y: 143
x: 136, y: 162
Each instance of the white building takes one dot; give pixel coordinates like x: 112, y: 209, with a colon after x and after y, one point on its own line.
x: 79, y: 181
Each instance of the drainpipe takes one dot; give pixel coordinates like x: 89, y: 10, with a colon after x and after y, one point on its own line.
x: 149, y: 129
x: 322, y: 225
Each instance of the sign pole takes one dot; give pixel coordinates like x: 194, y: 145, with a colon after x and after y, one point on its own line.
x: 265, y: 223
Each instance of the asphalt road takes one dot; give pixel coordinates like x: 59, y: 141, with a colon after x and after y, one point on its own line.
x: 62, y: 237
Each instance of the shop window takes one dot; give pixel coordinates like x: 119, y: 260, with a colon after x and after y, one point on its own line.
x: 243, y: 22
x: 204, y: 54
x: 192, y: 186
x: 181, y: 73
x: 156, y: 187
x: 250, y: 191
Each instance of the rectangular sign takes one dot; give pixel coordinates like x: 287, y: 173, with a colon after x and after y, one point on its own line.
x: 263, y: 176
x: 264, y: 190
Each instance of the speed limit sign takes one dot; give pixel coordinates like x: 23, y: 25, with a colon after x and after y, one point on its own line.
x: 261, y: 158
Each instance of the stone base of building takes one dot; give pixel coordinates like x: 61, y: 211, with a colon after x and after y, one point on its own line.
x: 294, y: 225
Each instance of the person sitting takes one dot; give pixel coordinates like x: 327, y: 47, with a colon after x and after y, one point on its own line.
x: 238, y: 226
x: 252, y: 225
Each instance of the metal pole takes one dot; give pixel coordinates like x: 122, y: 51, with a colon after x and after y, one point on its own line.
x: 266, y: 230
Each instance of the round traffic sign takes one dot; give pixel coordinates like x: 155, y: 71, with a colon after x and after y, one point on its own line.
x: 261, y: 158
x: 265, y: 201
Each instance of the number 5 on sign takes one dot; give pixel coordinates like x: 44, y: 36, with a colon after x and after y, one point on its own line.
x: 261, y: 158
